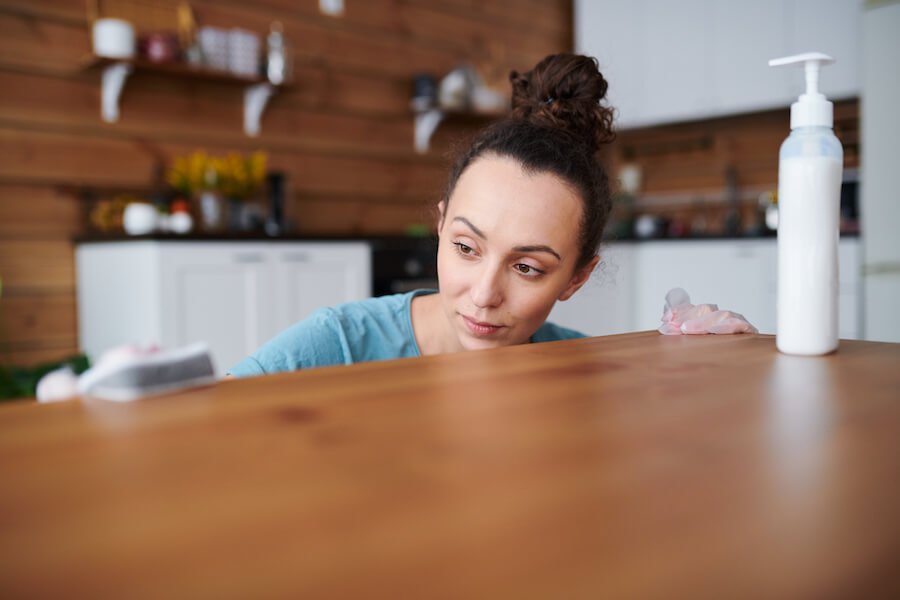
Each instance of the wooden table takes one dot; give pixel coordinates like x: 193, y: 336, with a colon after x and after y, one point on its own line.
x: 625, y: 466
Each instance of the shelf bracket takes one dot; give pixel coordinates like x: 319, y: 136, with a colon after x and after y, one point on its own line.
x: 114, y: 77
x: 255, y: 98
x: 426, y: 124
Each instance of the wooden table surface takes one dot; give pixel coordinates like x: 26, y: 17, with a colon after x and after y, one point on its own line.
x: 626, y: 466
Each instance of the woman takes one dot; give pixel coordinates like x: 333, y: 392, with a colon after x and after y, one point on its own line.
x: 519, y: 228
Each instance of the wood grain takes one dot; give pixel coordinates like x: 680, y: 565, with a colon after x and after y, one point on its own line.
x: 694, y: 156
x: 36, y: 212
x: 156, y: 105
x: 624, y: 466
x: 36, y: 265
x: 113, y: 160
x: 22, y: 356
x: 48, y: 317
x: 35, y: 43
x: 360, y: 216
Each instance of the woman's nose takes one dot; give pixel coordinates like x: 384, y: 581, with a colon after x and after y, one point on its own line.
x: 487, y: 289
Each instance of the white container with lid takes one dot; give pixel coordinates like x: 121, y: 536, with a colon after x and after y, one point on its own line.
x: 140, y: 218
x: 113, y: 38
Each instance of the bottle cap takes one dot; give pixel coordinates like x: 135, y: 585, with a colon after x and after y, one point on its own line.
x: 811, y: 109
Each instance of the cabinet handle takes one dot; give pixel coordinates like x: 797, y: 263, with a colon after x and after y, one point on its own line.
x: 249, y: 258
x: 300, y: 257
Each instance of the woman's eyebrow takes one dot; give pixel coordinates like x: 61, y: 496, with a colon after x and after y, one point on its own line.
x: 532, y: 248
x: 538, y: 248
x: 474, y: 229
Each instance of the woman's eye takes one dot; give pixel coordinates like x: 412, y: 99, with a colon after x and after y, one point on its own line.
x: 463, y: 249
x: 528, y: 270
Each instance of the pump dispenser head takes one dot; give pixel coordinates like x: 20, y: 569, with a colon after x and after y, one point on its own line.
x: 812, y: 109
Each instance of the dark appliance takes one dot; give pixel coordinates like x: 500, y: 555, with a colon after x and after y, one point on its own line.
x: 401, y: 264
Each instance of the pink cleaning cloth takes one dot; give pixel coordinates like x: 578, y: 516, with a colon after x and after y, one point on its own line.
x: 682, y: 317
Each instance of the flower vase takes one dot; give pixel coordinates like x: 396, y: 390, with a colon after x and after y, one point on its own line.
x: 211, y: 211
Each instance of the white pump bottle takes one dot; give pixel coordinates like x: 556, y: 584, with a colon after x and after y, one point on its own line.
x: 809, y: 195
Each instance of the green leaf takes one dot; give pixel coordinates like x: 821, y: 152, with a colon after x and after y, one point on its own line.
x: 21, y: 382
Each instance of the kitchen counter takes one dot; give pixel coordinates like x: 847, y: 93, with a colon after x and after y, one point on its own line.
x: 620, y: 466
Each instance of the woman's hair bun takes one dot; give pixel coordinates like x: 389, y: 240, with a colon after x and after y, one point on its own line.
x: 564, y: 91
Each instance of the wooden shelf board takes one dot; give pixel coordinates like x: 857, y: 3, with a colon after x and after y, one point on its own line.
x: 180, y: 69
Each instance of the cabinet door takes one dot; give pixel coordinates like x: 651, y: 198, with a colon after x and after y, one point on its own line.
x: 655, y: 55
x: 310, y: 276
x: 671, y: 61
x: 850, y: 290
x: 220, y: 294
x: 613, y: 32
x: 604, y: 306
x: 732, y: 274
x: 744, y: 36
x: 678, y: 82
x: 118, y: 295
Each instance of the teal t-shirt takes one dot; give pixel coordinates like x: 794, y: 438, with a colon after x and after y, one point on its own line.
x: 374, y: 329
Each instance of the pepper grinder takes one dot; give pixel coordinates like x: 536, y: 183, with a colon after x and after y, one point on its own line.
x: 278, y: 61
x: 275, y: 225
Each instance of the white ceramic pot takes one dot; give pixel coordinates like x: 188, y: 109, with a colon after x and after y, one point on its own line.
x: 180, y: 222
x: 140, y: 219
x: 113, y: 38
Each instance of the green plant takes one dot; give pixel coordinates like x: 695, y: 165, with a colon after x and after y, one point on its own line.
x: 21, y: 382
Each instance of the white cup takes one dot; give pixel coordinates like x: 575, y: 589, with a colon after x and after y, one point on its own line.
x: 180, y: 222
x: 139, y: 218
x: 113, y: 38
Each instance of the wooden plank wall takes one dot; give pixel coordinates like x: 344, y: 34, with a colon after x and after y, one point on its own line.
x: 342, y: 133
x: 691, y: 157
x: 685, y: 166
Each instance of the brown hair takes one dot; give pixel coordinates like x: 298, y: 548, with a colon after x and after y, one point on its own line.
x: 556, y: 126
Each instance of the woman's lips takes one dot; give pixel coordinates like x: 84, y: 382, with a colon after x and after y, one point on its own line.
x: 480, y: 328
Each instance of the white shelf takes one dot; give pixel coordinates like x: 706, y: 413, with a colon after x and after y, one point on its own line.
x: 427, y: 122
x: 115, y: 74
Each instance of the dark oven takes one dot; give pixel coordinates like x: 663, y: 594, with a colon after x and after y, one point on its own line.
x: 401, y: 264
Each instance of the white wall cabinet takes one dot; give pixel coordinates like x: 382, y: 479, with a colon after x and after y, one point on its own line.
x: 735, y: 274
x: 628, y: 292
x: 232, y: 295
x: 675, y: 61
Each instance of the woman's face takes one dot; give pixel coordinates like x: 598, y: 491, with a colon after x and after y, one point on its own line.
x: 507, y: 252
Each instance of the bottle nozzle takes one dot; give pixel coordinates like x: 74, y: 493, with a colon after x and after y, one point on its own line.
x: 812, y: 108
x: 812, y: 77
x: 811, y: 61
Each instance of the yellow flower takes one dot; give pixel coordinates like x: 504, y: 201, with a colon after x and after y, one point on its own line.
x: 235, y: 175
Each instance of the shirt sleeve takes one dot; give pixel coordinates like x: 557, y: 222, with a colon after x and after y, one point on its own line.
x: 550, y: 332
x: 247, y: 368
x: 316, y: 341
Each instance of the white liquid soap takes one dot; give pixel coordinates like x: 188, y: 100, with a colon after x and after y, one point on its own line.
x: 809, y: 188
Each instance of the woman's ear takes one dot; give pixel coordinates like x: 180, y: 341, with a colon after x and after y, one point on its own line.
x: 579, y: 279
x: 442, y: 205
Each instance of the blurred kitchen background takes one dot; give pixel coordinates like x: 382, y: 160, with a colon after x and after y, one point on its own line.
x: 215, y: 170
